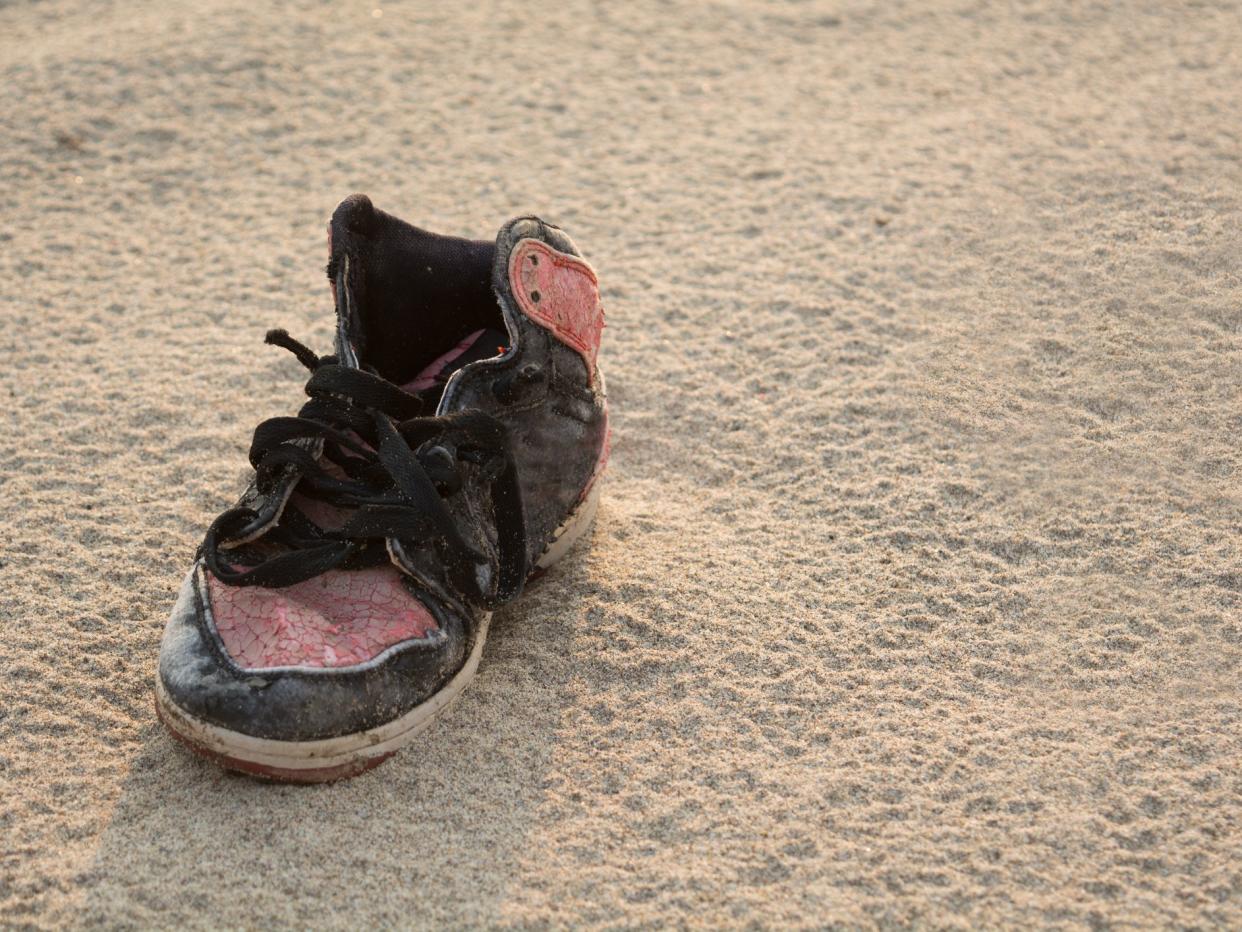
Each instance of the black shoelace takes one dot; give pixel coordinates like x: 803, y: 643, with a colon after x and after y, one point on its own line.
x: 398, y: 468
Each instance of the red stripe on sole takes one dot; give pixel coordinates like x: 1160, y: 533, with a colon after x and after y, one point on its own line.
x: 276, y: 774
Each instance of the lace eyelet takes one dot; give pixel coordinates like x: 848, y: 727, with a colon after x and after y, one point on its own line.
x: 438, y: 457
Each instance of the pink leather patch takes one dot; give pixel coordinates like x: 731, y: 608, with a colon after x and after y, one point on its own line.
x: 561, y: 292
x: 339, y: 619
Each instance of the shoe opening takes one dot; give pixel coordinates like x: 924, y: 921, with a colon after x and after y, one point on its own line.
x: 422, y: 304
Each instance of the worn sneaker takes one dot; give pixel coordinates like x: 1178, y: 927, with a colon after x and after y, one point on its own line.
x: 451, y: 448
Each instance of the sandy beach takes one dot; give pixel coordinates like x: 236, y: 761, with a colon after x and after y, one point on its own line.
x: 915, y: 597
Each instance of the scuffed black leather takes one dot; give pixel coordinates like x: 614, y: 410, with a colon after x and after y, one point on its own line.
x: 304, y: 706
x: 558, y: 421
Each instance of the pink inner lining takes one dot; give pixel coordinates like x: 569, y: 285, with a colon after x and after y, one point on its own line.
x: 427, y: 377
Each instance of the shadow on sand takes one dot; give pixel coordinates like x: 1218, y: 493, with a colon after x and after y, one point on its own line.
x: 433, y: 836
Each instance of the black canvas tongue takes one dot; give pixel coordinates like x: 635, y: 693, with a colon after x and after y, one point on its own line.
x: 405, y: 295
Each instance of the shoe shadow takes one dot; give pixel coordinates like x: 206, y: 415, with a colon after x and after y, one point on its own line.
x: 431, y: 837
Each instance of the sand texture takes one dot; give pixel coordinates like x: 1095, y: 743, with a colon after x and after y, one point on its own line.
x: 916, y: 592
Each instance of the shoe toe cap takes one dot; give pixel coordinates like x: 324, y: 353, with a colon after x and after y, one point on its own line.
x: 203, y: 678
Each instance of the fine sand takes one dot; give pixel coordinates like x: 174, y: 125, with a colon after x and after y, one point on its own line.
x: 916, y: 592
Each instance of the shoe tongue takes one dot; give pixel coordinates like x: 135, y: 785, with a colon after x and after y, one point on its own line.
x: 405, y: 295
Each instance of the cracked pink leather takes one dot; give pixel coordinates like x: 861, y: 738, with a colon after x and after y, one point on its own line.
x: 560, y: 292
x: 339, y: 619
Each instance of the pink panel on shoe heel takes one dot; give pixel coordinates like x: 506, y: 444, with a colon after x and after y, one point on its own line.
x: 561, y: 292
x: 338, y: 619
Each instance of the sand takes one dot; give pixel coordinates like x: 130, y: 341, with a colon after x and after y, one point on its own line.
x: 916, y: 592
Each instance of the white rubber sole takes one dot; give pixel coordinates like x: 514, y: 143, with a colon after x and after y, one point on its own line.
x: 577, y: 524
x: 335, y: 758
